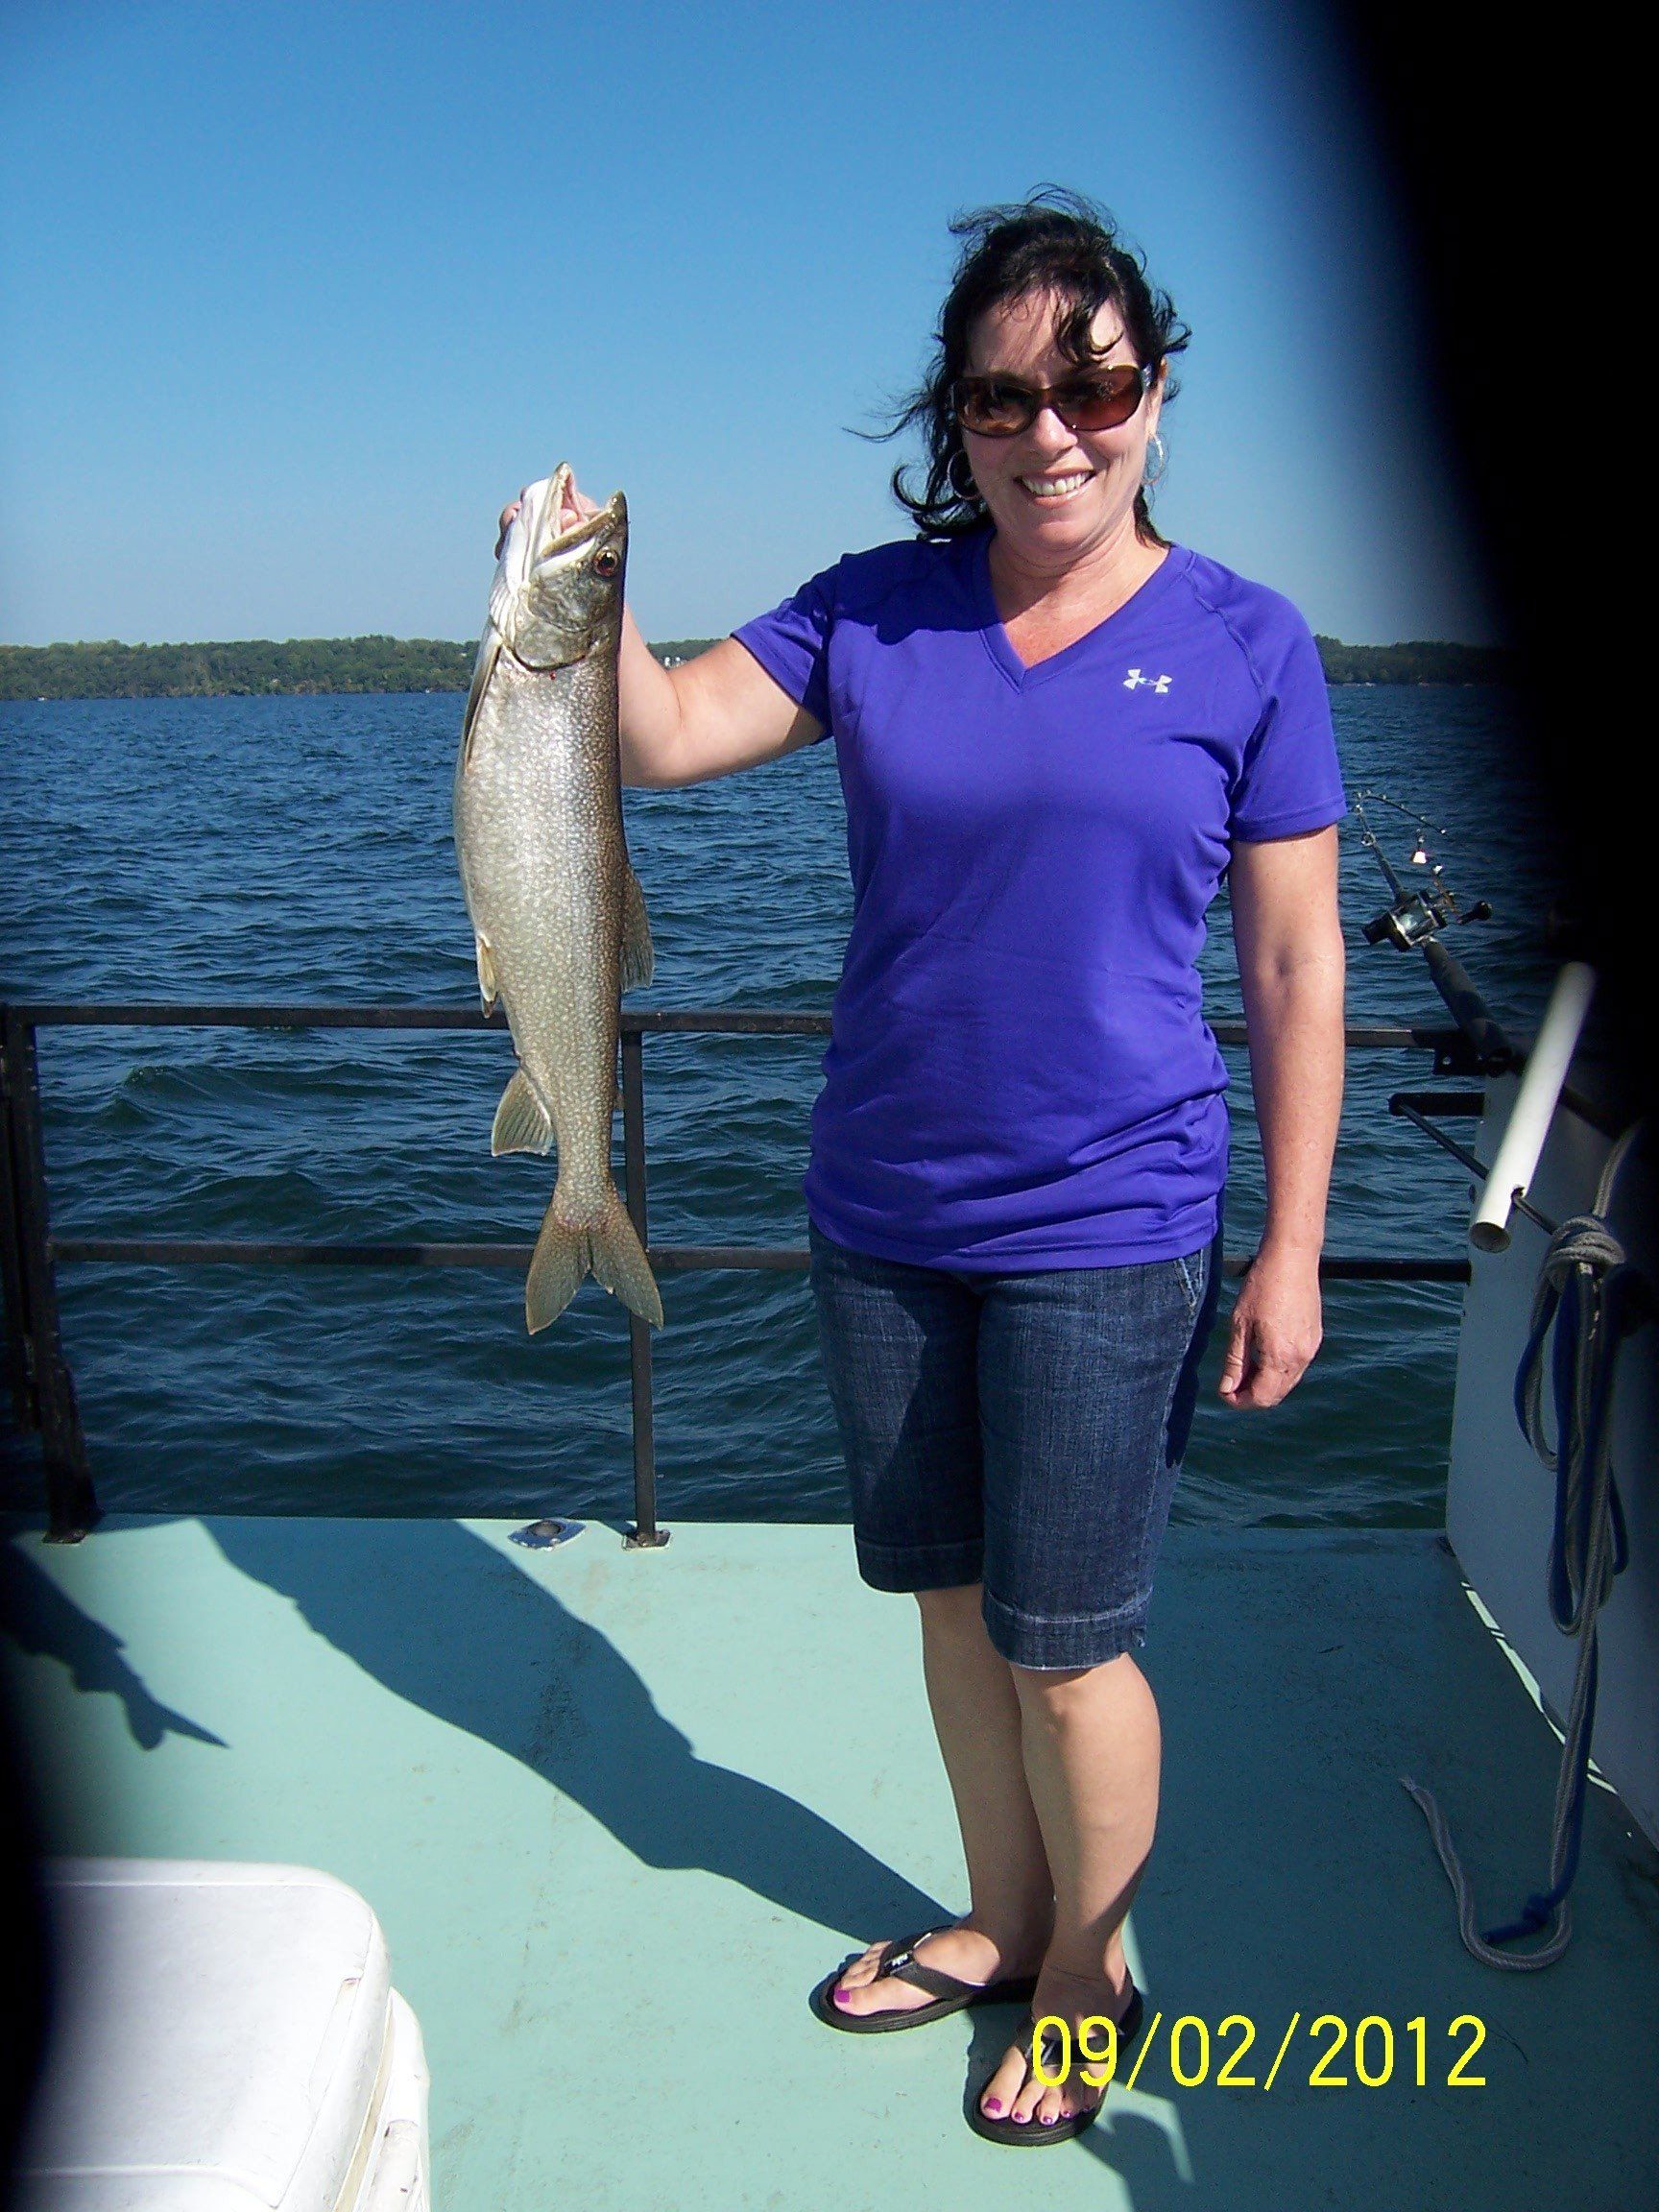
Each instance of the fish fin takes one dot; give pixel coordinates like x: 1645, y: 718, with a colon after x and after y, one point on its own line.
x: 608, y: 1249
x: 557, y: 1266
x: 638, y: 957
x: 618, y: 1260
x: 489, y: 987
x: 483, y: 669
x: 522, y: 1123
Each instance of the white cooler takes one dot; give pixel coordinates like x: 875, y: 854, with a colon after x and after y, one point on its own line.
x: 228, y: 2040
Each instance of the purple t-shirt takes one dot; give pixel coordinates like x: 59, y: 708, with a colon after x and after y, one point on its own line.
x: 1019, y: 1075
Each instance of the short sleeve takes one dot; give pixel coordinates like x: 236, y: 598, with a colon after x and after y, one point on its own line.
x: 792, y: 643
x: 1289, y: 779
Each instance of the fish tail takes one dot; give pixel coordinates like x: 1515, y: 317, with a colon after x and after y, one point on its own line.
x: 619, y: 1263
x: 608, y: 1248
x: 556, y: 1265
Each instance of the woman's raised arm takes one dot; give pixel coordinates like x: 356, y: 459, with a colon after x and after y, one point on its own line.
x: 710, y: 715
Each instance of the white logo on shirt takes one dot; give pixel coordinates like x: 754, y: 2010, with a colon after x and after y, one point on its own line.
x: 1134, y: 681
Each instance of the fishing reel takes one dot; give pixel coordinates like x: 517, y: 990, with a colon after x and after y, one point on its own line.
x: 1415, y: 915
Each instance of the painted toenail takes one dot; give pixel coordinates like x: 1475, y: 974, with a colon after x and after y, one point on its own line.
x: 993, y: 2103
x: 843, y: 1997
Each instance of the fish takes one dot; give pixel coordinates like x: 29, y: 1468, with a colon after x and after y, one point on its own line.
x: 557, y: 916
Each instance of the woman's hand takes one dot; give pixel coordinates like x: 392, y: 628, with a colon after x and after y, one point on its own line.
x: 1276, y: 1329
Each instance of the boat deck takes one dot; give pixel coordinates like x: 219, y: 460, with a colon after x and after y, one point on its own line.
x: 619, y: 1811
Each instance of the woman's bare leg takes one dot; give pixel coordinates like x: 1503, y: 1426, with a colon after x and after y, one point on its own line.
x: 980, y: 1725
x: 1091, y: 1744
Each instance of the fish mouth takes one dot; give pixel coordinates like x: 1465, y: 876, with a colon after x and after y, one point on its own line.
x: 546, y: 533
x: 562, y: 524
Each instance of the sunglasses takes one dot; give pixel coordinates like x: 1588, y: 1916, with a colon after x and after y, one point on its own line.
x: 1001, y: 406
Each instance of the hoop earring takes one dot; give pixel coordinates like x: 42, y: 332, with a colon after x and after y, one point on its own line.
x: 1153, y: 474
x: 959, y: 469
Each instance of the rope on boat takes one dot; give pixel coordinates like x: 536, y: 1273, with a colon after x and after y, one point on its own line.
x: 1594, y: 1298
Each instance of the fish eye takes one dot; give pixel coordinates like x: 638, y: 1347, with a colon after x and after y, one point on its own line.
x: 608, y: 561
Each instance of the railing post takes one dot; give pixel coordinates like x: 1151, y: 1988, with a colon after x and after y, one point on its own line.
x: 47, y: 1389
x: 644, y: 1535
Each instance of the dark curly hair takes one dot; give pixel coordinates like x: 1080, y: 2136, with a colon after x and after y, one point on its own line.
x: 1053, y: 241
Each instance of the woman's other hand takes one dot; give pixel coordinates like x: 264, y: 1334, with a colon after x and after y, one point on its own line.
x: 1287, y: 933
x: 1276, y: 1330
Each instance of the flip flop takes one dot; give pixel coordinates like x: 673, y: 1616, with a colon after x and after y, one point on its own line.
x: 1035, y: 2134
x: 899, y: 1961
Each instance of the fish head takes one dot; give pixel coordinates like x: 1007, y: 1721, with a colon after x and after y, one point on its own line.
x: 559, y: 596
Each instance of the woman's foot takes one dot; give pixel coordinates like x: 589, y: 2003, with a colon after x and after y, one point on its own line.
x: 1014, y: 2093
x: 962, y: 1951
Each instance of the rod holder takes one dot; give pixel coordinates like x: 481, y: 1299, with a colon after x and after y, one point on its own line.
x: 1534, y: 1109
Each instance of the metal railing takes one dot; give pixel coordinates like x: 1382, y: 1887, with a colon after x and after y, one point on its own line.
x: 42, y: 1390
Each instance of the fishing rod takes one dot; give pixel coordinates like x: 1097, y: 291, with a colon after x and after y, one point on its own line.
x: 1412, y: 923
x: 1415, y: 914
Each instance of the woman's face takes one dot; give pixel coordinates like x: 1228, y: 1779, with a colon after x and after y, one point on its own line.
x: 1055, y: 495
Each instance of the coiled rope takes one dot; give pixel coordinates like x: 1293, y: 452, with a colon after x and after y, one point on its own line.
x: 1594, y: 1298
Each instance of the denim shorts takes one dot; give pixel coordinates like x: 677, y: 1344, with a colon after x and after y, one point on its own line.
x: 1021, y: 1431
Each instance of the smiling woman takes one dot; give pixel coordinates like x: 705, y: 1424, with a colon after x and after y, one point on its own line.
x: 1055, y: 732
x: 1058, y: 245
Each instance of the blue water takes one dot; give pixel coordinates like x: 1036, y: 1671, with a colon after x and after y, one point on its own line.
x: 299, y: 849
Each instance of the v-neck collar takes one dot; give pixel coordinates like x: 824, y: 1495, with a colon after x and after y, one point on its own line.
x: 1000, y: 647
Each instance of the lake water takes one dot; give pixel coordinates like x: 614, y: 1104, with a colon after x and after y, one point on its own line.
x: 299, y: 849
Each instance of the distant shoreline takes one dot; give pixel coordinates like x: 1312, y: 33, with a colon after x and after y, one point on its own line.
x: 300, y: 667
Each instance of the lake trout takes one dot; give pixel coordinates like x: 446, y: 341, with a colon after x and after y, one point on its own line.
x: 558, y: 915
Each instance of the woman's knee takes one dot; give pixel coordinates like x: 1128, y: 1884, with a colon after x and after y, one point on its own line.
x: 1061, y: 1694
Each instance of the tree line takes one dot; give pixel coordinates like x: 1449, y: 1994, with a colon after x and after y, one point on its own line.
x: 1420, y: 663
x: 250, y: 667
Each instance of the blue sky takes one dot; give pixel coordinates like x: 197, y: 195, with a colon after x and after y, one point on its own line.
x: 296, y: 296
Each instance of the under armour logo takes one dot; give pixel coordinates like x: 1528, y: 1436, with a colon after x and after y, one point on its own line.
x: 1135, y: 682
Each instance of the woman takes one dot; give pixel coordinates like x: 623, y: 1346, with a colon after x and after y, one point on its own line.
x: 1055, y: 732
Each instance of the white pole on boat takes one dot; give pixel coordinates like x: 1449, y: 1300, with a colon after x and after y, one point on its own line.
x: 1535, y: 1107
